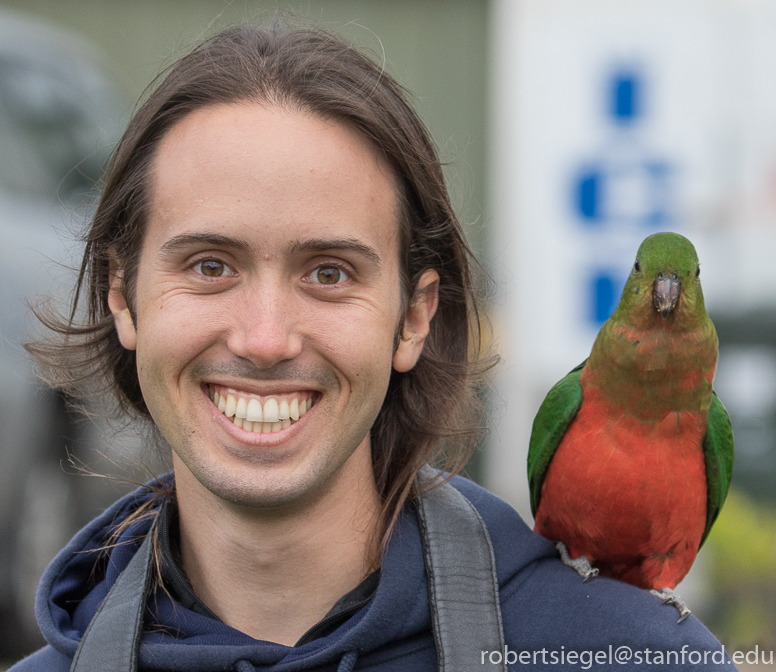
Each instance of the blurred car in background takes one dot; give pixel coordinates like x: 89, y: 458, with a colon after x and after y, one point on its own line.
x: 61, y: 114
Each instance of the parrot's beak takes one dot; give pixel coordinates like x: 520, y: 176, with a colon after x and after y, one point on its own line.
x: 666, y: 293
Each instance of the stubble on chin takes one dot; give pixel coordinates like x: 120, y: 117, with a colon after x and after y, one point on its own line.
x: 257, y: 480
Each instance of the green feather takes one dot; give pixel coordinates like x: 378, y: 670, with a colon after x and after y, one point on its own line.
x: 718, y: 453
x: 558, y: 409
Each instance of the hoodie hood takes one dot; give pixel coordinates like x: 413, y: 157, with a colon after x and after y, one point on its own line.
x: 396, y: 622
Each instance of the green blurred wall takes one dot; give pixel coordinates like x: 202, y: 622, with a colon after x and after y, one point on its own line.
x: 437, y: 48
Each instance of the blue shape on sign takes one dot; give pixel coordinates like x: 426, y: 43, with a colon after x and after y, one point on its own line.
x: 625, y: 185
x: 604, y: 297
x: 625, y: 103
x: 588, y: 196
x: 624, y: 191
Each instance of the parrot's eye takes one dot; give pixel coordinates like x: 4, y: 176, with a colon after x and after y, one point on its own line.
x: 637, y: 266
x: 698, y: 272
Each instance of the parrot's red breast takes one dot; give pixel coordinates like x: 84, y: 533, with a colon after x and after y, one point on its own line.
x: 628, y: 492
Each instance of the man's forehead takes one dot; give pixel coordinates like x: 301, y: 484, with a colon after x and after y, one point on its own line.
x: 271, y: 142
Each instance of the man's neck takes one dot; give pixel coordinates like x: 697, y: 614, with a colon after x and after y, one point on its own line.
x: 274, y: 574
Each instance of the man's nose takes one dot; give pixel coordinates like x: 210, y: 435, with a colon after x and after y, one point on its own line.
x: 265, y: 330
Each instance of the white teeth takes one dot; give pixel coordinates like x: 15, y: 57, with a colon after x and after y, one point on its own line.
x: 248, y: 414
x: 271, y: 410
x: 254, y: 411
x: 242, y: 408
x: 231, y: 405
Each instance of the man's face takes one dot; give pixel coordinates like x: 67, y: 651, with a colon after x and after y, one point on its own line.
x: 268, y: 287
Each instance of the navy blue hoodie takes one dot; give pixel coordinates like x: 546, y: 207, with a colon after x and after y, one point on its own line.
x: 551, y: 619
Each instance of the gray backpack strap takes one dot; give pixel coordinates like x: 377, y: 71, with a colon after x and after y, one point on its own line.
x: 112, y: 639
x: 462, y: 583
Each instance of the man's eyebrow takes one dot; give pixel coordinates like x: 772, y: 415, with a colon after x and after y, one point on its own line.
x: 214, y: 239
x: 335, y: 244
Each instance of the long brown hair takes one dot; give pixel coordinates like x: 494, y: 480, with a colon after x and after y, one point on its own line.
x: 431, y: 413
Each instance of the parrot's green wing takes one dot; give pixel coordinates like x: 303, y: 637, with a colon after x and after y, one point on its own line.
x: 558, y: 409
x: 718, y: 452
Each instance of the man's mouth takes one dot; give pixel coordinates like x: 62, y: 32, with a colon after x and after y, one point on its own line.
x: 261, y: 414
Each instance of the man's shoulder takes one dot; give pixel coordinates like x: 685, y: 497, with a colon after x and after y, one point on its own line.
x: 551, y: 609
x: 546, y: 605
x: 46, y: 659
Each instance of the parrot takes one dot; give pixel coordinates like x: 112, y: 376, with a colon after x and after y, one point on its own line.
x: 631, y: 454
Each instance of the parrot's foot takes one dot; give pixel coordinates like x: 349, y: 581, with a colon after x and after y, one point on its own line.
x: 670, y: 597
x: 581, y: 565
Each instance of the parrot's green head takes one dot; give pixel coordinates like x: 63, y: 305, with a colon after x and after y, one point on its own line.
x: 664, y: 287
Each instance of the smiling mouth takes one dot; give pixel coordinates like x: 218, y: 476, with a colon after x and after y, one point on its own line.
x: 261, y: 415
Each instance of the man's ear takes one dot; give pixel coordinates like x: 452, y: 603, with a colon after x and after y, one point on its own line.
x: 117, y: 302
x: 417, y: 321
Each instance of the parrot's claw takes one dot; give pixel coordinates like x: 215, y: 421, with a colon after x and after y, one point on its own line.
x: 581, y: 565
x: 668, y: 596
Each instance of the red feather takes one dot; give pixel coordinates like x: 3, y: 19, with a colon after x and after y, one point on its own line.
x: 629, y: 494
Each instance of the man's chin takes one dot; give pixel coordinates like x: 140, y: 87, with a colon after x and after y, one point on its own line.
x: 261, y: 483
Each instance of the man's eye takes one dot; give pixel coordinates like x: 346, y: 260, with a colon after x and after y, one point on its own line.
x: 212, y: 268
x: 328, y: 275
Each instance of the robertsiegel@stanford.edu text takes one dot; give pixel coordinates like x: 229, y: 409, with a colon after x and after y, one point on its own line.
x: 623, y: 655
